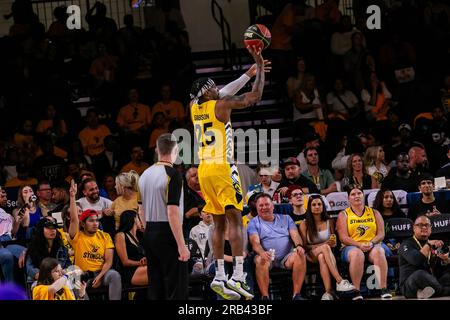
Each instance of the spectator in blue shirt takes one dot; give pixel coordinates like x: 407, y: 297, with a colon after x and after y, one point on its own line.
x: 271, y: 237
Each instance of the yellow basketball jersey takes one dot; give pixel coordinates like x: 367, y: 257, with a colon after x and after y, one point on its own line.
x: 214, y: 138
x: 364, y: 228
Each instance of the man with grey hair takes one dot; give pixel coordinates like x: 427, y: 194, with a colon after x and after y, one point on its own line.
x: 161, y: 188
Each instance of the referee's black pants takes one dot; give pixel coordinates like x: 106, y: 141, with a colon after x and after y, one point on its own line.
x: 168, y: 277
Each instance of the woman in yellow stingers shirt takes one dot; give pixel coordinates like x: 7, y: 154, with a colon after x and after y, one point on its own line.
x: 361, y: 231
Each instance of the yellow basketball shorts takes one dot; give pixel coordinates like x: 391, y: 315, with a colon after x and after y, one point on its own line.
x: 221, y: 187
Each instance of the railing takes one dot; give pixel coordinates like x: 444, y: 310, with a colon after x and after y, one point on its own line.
x: 228, y: 47
x: 116, y: 9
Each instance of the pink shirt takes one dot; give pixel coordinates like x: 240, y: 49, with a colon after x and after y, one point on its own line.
x: 6, y: 223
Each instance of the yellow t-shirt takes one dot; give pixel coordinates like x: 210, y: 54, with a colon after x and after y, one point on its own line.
x: 16, y: 182
x: 43, y: 125
x: 90, y: 251
x: 132, y: 166
x: 133, y: 118
x: 364, y: 228
x: 174, y: 110
x: 66, y: 242
x: 155, y: 135
x: 121, y: 204
x: 92, y: 139
x: 40, y: 292
x: 246, y: 220
x: 214, y: 137
x: 281, y: 34
x: 23, y: 140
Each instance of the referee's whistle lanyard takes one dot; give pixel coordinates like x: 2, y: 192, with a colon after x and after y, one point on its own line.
x: 429, y: 253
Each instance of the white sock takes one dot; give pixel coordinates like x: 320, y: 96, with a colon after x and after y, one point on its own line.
x: 238, y: 264
x: 220, y: 269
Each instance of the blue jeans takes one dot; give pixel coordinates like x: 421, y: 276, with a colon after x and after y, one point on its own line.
x: 387, y: 253
x: 8, y: 257
x: 5, y: 237
x: 346, y: 250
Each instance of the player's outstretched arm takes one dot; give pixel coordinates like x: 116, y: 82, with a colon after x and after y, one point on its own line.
x: 233, y: 87
x: 247, y: 99
x: 258, y: 85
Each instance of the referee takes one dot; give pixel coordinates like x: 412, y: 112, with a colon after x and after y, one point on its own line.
x: 161, y: 191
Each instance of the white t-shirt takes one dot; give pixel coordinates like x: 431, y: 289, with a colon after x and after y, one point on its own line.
x: 310, y: 115
x: 348, y: 97
x: 341, y: 42
x: 100, y: 205
x: 200, y: 234
x: 373, y: 169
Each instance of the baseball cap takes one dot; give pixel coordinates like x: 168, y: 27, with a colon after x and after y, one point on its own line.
x: 291, y: 188
x: 51, y: 224
x: 291, y: 160
x: 424, y: 177
x: 47, y: 223
x: 87, y: 213
x: 404, y: 126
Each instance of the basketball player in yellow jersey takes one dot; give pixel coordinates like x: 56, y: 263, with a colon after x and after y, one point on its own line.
x: 218, y: 175
x: 361, y: 231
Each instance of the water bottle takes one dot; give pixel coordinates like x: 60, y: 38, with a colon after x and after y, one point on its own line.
x: 272, y: 254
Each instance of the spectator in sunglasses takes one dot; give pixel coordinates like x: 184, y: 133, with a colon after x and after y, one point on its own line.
x: 46, y: 242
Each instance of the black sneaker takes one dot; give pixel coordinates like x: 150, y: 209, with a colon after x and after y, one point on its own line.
x: 357, y: 295
x: 385, y: 294
x: 298, y: 296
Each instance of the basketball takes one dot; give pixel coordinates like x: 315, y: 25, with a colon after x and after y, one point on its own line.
x: 257, y: 35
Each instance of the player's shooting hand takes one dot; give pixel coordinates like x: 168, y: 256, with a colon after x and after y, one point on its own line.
x: 256, y: 54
